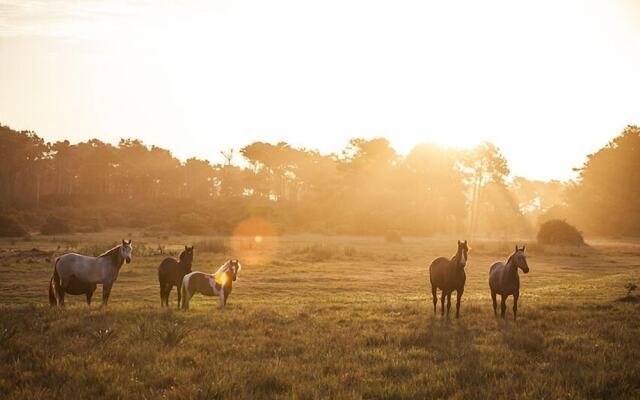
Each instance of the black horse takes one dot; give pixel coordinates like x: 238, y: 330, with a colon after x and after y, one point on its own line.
x: 171, y: 272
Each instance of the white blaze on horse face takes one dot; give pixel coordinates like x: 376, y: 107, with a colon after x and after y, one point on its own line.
x: 463, y: 259
x: 126, y: 252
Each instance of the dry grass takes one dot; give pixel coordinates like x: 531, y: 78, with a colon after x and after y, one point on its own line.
x: 325, y: 317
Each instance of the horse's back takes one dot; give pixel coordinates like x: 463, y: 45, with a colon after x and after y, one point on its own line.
x: 199, y: 282
x: 74, y: 264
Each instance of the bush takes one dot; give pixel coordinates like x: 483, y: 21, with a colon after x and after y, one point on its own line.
x: 559, y: 232
x: 55, y: 226
x: 211, y: 246
x: 10, y: 227
x: 317, y: 252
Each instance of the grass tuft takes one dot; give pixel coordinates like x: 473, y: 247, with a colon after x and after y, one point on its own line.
x: 172, y: 335
x: 6, y: 333
x: 102, y: 336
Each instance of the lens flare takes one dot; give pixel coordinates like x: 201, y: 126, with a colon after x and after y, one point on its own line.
x: 221, y: 279
x: 254, y: 241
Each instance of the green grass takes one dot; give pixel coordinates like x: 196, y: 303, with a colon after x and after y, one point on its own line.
x: 323, y: 317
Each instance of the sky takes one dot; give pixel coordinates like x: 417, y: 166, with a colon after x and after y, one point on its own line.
x: 547, y: 81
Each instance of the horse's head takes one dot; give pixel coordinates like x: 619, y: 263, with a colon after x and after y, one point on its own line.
x: 462, y: 254
x: 125, y: 250
x: 521, y: 259
x: 186, y: 258
x: 234, y: 267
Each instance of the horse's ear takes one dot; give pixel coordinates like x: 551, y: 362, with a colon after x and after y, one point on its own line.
x: 185, y: 247
x: 516, y: 247
x: 523, y: 247
x: 458, y: 243
x: 123, y: 242
x: 130, y: 241
x: 465, y: 241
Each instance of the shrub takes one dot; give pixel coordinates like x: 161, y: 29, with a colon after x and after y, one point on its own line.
x: 559, y: 232
x: 102, y: 335
x: 317, y: 252
x: 10, y: 227
x: 6, y: 334
x: 172, y: 335
x: 92, y: 225
x: 55, y: 225
x: 210, y: 246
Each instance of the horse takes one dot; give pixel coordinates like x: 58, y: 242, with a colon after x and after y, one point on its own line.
x: 218, y: 284
x: 171, y: 272
x: 77, y: 274
x: 448, y: 275
x: 504, y: 280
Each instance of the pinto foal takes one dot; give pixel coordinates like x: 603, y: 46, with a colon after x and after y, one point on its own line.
x: 218, y: 284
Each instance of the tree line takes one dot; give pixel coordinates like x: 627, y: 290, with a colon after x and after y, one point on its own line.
x: 367, y: 188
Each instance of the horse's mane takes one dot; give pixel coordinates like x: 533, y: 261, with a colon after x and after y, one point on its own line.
x: 509, y: 259
x: 225, y: 267
x: 111, y: 252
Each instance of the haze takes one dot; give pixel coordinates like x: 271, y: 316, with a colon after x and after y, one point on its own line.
x: 546, y: 81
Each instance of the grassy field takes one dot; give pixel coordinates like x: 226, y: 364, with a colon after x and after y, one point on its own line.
x: 322, y: 317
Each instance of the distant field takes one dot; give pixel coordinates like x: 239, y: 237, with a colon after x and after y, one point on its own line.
x: 322, y: 317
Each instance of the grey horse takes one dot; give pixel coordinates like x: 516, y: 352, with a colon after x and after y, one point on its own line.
x: 77, y: 274
x: 504, y: 280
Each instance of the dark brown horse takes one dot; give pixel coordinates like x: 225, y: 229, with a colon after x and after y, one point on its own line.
x: 448, y: 275
x: 171, y: 272
x: 504, y: 280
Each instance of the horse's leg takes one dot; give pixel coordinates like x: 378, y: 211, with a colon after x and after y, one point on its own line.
x: 186, y: 298
x: 503, y: 305
x: 495, y: 304
x: 458, y: 298
x: 442, y: 296
x: 167, y: 293
x: 448, y: 303
x: 434, y: 294
x: 222, y: 299
x: 515, y: 304
x: 90, y: 295
x: 106, y: 291
x: 162, y: 289
x: 179, y: 295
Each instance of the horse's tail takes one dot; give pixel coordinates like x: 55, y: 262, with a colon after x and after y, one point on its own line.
x: 54, y: 285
